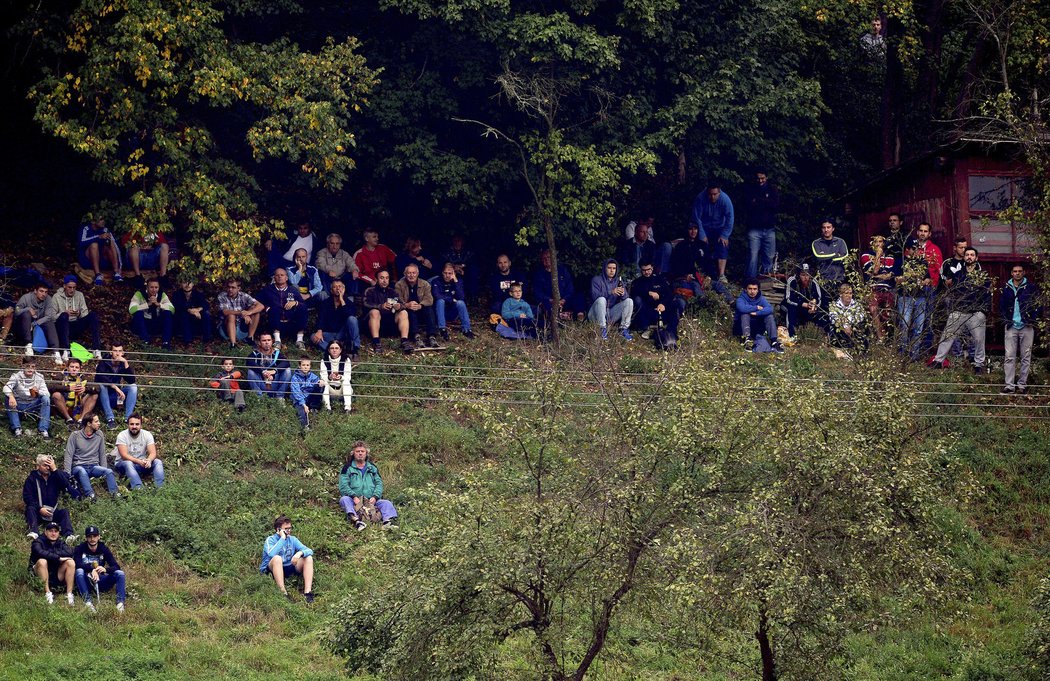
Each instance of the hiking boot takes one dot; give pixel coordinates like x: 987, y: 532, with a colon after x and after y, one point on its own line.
x: 444, y: 334
x: 470, y: 334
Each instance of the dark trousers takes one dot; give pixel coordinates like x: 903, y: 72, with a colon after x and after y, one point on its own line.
x: 159, y: 325
x: 649, y: 316
x: 25, y: 327
x: 74, y: 329
x: 423, y: 316
x: 313, y: 400
x: 60, y: 516
x: 294, y: 322
x: 190, y: 327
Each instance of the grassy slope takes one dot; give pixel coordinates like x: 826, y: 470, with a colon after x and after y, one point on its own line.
x: 200, y: 609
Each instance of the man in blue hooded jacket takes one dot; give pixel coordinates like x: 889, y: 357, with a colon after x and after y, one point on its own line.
x: 361, y: 486
x: 713, y: 211
x: 755, y: 316
x: 610, y: 302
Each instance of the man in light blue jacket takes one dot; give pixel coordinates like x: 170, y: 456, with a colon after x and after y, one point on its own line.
x: 713, y: 211
x: 284, y: 555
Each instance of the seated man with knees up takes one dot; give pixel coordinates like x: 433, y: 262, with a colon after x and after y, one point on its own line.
x: 268, y: 370
x: 755, y: 316
x: 610, y: 302
x: 116, y: 384
x: 86, y: 457
x: 361, y: 488
x: 26, y: 393
x: 152, y: 314
x: 306, y: 390
x: 41, y: 491
x: 51, y: 560
x: 418, y: 301
x: 848, y: 322
x: 97, y: 570
x: 137, y: 455
x: 386, y: 314
x: 240, y: 314
x: 72, y: 395
x: 284, y: 555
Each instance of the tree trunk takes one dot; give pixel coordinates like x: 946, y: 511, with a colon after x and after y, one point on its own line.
x: 769, y: 667
x: 892, y: 97
x: 548, y: 228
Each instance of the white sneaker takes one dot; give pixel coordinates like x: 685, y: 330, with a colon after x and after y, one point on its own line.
x: 90, y: 606
x: 65, y: 355
x: 29, y: 349
x: 32, y: 535
x: 97, y: 354
x: 70, y: 538
x: 120, y: 608
x: 49, y: 597
x: 58, y: 358
x: 70, y: 600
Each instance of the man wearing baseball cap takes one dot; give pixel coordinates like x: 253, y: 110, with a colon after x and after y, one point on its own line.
x: 51, y: 560
x: 97, y: 570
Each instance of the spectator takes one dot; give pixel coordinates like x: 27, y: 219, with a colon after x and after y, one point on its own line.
x: 137, y: 454
x: 148, y: 253
x: 72, y: 317
x: 1020, y: 310
x: 848, y: 325
x: 33, y: 310
x: 873, y: 43
x: 518, y: 314
x: 192, y: 313
x: 463, y: 260
x: 52, y: 561
x: 969, y: 301
x: 281, y: 252
x: 804, y: 301
x: 374, y: 257
x: 40, y: 493
x: 73, y: 396
x: 337, y: 320
x: 663, y: 250
x: 752, y: 310
x: 361, y: 487
x: 918, y: 280
x: 542, y: 288
x: 284, y: 556
x: 450, y: 301
x: 268, y: 370
x: 418, y: 301
x: 762, y: 202
x: 500, y: 281
x: 610, y: 302
x: 86, y: 457
x: 227, y: 385
x: 386, y: 314
x: 878, y: 267
x: 830, y: 252
x: 306, y: 391
x: 896, y: 239
x: 97, y: 566
x: 637, y: 249
x: 305, y: 278
x: 652, y: 296
x: 713, y: 211
x: 413, y: 254
x: 240, y: 314
x: 95, y: 244
x: 334, y: 263
x: 152, y: 314
x: 688, y: 267
x: 26, y: 393
x: 953, y: 266
x: 110, y: 375
x: 335, y: 370
x: 285, y: 311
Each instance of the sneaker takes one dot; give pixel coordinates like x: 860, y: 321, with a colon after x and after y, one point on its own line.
x: 70, y: 599
x: 777, y: 347
x: 627, y: 335
x: 407, y: 347
x: 32, y: 536
x: 118, y: 277
x: 49, y: 597
x: 432, y: 342
x: 977, y: 371
x: 277, y: 344
x: 58, y: 358
x: 111, y: 424
x: 29, y: 349
x: 18, y: 432
x: 389, y: 525
x: 444, y: 334
x: 1007, y: 390
x: 605, y: 333
x: 70, y: 538
x: 360, y: 525
x: 935, y: 365
x: 120, y: 607
x: 723, y: 279
x: 376, y: 346
x: 71, y: 424
x: 309, y: 596
x: 44, y: 434
x: 300, y: 345
x: 647, y: 334
x: 99, y: 281
x: 749, y: 345
x: 90, y: 606
x: 470, y: 334
x: 1022, y: 390
x: 65, y: 356
x: 240, y: 408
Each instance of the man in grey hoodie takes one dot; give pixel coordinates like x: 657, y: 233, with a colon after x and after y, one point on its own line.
x: 610, y: 302
x: 86, y: 457
x: 33, y: 310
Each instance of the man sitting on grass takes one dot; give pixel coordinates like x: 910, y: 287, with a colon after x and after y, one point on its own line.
x: 755, y: 316
x: 41, y: 491
x: 26, y: 393
x: 361, y: 488
x: 137, y: 451
x: 97, y: 570
x: 284, y: 555
x: 51, y: 560
x: 86, y: 457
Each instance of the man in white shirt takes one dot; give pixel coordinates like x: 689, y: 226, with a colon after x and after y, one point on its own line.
x: 137, y: 454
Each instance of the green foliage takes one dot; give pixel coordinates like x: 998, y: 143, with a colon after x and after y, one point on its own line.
x: 1039, y: 637
x: 159, y: 96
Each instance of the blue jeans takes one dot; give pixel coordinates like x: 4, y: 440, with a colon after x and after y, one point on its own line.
x: 385, y: 508
x: 351, y: 332
x: 106, y: 582
x: 601, y: 314
x: 134, y: 472
x: 761, y: 242
x: 458, y: 309
x: 107, y: 397
x: 84, y: 475
x: 278, y: 388
x: 911, y: 315
x: 38, y: 405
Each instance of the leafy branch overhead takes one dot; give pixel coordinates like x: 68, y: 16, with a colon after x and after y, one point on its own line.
x: 154, y: 92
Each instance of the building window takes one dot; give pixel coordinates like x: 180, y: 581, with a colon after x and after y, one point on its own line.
x: 990, y: 195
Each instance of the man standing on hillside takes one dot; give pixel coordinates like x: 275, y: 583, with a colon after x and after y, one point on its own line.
x: 830, y: 252
x: 713, y: 212
x: 968, y: 300
x: 1019, y: 308
x: 916, y: 284
x: 762, y: 202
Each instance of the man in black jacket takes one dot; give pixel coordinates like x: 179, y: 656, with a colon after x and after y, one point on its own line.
x: 1020, y: 310
x: 652, y: 295
x: 51, y: 560
x: 97, y: 569
x: 40, y: 494
x: 969, y: 300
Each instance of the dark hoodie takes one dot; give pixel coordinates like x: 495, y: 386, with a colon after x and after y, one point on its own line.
x: 51, y: 551
x: 37, y: 490
x: 602, y: 286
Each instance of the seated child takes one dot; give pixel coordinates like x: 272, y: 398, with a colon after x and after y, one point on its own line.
x: 518, y: 314
x: 306, y: 390
x: 225, y: 382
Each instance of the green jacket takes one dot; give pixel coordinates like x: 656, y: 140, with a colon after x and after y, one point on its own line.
x: 356, y: 482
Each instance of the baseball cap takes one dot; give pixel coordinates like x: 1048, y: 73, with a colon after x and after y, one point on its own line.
x: 91, y: 530
x: 51, y: 526
x: 69, y: 279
